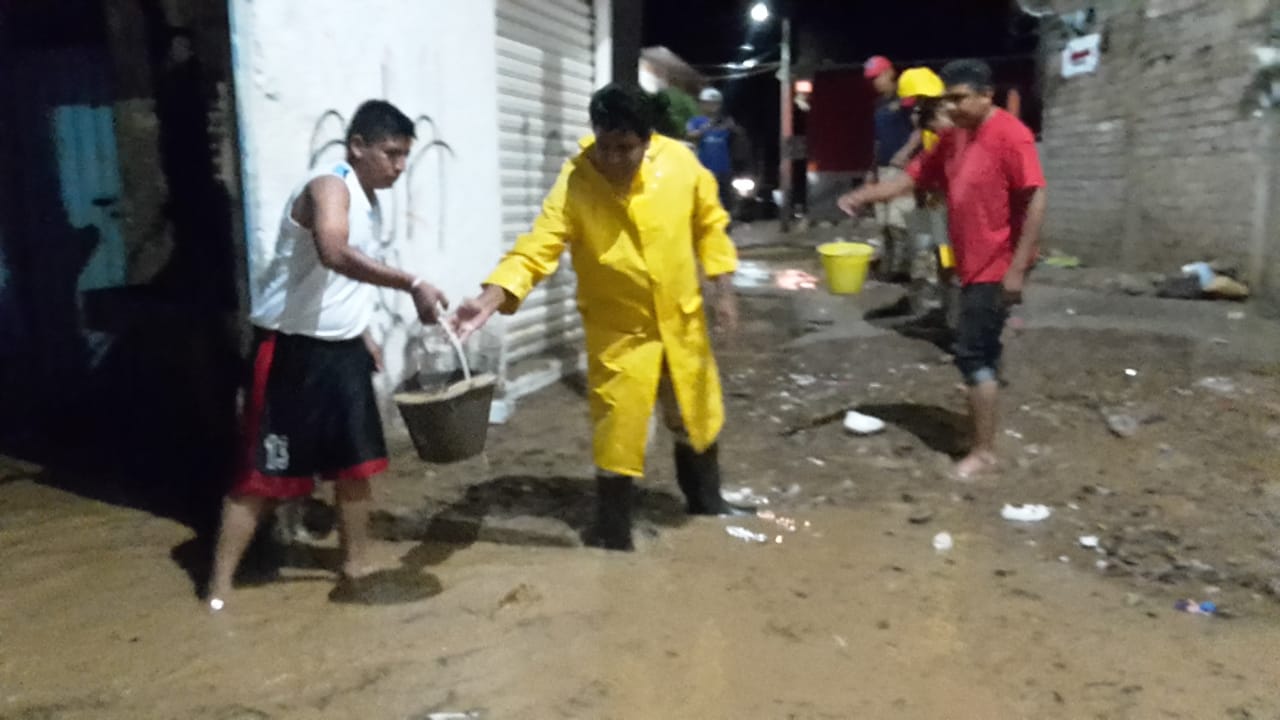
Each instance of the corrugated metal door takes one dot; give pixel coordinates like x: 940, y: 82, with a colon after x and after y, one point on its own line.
x: 546, y: 74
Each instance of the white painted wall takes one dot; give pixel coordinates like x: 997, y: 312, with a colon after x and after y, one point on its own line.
x: 295, y: 61
x: 603, y: 12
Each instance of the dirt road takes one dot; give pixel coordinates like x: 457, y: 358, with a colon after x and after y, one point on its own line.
x: 851, y: 615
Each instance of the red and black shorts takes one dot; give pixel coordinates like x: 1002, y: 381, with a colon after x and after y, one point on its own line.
x: 310, y: 411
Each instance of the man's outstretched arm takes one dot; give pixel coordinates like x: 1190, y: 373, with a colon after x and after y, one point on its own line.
x: 329, y: 201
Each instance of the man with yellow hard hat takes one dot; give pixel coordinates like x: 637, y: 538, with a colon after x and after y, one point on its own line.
x: 920, y: 91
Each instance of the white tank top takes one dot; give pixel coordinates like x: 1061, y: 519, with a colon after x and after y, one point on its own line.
x: 298, y: 295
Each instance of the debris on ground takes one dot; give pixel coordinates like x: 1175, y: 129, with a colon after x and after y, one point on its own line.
x: 1122, y: 425
x: 1225, y: 288
x: 943, y: 542
x: 920, y: 517
x: 1201, y: 271
x: 1203, y: 280
x: 1088, y: 541
x: 1025, y: 513
x: 746, y: 535
x: 1191, y: 607
x: 1220, y: 385
x: 1180, y: 288
x: 860, y: 424
x: 1059, y: 259
x: 744, y: 496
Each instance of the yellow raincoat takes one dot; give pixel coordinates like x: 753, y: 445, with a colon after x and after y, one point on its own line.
x: 637, y: 260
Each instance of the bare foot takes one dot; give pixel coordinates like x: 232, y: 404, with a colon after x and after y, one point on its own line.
x: 975, y: 464
x: 216, y: 597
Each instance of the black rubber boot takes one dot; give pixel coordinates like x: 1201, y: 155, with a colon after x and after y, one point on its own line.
x: 698, y: 474
x: 612, y: 530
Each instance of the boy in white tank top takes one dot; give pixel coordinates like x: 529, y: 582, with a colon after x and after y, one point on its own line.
x: 311, y: 409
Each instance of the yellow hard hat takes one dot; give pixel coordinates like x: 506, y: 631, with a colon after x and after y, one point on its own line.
x: 918, y: 82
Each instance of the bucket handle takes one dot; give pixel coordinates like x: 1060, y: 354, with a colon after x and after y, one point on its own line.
x: 454, y: 340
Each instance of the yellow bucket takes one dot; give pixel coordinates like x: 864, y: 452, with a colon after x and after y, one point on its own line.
x: 845, y: 265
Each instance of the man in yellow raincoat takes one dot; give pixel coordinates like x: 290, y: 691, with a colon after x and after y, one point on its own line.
x: 644, y: 225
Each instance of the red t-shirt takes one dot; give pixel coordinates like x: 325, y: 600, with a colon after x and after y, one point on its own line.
x: 982, y: 172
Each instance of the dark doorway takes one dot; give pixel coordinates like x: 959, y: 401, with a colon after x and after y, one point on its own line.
x: 119, y: 249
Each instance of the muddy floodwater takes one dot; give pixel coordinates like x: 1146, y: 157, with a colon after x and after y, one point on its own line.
x: 843, y: 609
x: 854, y: 616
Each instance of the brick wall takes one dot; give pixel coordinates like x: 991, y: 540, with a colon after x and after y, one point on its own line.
x: 1153, y: 161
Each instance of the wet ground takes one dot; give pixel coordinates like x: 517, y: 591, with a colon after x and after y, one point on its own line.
x: 851, y: 614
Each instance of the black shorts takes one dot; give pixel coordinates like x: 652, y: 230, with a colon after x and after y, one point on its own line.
x: 310, y: 411
x: 983, y: 313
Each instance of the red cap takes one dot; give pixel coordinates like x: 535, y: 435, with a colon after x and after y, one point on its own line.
x: 876, y: 66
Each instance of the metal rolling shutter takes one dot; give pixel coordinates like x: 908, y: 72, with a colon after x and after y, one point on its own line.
x: 546, y: 74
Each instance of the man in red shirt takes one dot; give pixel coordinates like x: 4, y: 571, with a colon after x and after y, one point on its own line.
x: 990, y: 172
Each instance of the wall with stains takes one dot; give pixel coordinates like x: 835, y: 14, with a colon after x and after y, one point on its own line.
x: 301, y: 69
x: 1165, y: 155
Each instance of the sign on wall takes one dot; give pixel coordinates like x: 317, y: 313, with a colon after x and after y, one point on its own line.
x: 1082, y: 55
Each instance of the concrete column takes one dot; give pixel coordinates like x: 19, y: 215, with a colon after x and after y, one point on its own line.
x: 627, y: 23
x: 603, y: 11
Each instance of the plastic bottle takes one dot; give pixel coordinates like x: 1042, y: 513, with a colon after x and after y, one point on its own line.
x: 1202, y: 271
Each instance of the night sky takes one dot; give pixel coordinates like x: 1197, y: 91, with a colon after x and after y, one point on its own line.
x: 841, y: 32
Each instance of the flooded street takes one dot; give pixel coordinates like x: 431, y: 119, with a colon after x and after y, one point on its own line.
x: 853, y: 614
x: 992, y: 291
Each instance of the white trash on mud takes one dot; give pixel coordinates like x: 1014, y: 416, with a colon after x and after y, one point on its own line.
x: 1026, y: 513
x: 746, y: 535
x: 859, y: 424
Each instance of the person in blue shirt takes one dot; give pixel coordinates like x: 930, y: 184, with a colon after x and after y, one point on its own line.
x: 893, y: 130
x: 712, y: 133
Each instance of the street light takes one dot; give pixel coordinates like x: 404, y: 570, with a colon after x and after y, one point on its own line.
x: 759, y: 14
